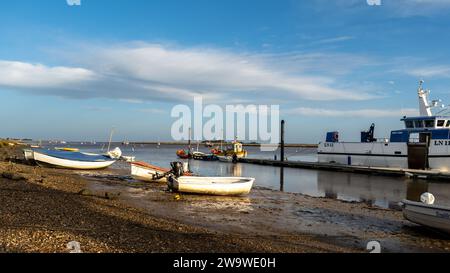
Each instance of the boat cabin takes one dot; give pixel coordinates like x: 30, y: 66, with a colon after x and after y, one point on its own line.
x: 419, y: 128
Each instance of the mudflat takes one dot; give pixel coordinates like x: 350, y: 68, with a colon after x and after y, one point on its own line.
x: 42, y: 210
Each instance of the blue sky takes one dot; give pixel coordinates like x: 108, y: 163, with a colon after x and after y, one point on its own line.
x: 73, y: 72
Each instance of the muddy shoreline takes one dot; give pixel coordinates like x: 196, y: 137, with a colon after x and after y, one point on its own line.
x: 41, y: 210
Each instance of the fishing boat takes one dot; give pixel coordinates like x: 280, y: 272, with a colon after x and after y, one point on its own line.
x: 422, y: 144
x: 429, y: 215
x: 211, y: 185
x: 236, y: 150
x: 74, y: 160
x: 146, y: 172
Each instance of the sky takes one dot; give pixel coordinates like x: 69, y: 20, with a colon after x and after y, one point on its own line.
x: 74, y: 72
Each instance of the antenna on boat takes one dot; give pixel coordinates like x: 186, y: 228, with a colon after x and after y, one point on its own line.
x: 424, y: 105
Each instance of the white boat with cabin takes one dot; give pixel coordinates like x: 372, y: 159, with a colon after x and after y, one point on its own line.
x: 424, y: 143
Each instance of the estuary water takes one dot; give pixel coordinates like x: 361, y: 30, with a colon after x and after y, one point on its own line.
x: 379, y: 191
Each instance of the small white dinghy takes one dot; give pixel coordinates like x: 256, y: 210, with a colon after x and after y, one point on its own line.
x: 426, y: 214
x: 147, y: 172
x: 211, y: 185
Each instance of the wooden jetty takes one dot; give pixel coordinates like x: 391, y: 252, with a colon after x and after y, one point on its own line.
x: 421, y: 174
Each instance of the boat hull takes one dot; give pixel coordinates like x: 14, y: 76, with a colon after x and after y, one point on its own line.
x: 46, y: 160
x: 427, y: 215
x: 224, y: 186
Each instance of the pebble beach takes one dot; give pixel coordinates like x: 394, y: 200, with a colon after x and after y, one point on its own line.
x: 42, y: 210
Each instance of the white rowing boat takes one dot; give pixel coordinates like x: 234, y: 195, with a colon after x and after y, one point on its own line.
x: 147, y: 172
x: 72, y: 160
x: 211, y: 185
x: 437, y: 217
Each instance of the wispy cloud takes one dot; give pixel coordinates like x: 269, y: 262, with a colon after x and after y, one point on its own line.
x: 335, y: 40
x: 143, y: 72
x: 372, y: 113
x: 440, y: 71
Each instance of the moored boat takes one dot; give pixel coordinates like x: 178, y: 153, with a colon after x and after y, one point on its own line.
x: 236, y: 150
x: 184, y: 154
x: 72, y: 160
x: 422, y: 144
x: 204, y: 157
x: 225, y: 186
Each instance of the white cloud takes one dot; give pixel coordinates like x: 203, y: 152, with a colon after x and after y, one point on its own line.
x: 372, y: 113
x: 143, y: 72
x: 26, y: 75
x: 440, y: 71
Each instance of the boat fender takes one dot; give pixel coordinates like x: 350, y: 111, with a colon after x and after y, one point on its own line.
x: 427, y: 198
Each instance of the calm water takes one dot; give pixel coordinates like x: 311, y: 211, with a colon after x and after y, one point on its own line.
x: 376, y: 190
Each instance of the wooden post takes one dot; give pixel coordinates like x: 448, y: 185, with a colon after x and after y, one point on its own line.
x: 282, y: 140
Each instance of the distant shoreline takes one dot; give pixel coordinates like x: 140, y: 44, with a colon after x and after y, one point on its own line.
x: 288, y: 145
x: 175, y: 143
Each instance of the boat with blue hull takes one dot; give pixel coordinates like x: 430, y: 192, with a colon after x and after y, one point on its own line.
x: 423, y: 144
x: 74, y: 160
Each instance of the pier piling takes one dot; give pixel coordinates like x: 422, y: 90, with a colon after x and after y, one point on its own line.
x: 282, y: 140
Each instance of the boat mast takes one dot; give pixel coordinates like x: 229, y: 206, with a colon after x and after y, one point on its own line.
x: 424, y: 105
x: 189, y: 141
x: 110, y: 139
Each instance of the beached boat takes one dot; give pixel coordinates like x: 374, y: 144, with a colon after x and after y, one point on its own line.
x: 66, y: 149
x: 72, y: 160
x: 211, y: 185
x: 147, y: 172
x: 423, y: 144
x: 437, y: 217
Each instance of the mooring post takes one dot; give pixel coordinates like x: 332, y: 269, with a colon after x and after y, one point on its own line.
x: 282, y: 140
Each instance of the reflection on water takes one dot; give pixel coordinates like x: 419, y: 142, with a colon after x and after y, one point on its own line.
x: 374, y: 190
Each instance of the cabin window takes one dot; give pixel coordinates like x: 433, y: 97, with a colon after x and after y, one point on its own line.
x: 418, y: 123
x: 429, y: 123
x: 440, y: 123
x: 409, y: 124
x: 448, y: 123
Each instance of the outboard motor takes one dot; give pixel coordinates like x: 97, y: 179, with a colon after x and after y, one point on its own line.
x: 177, y: 168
